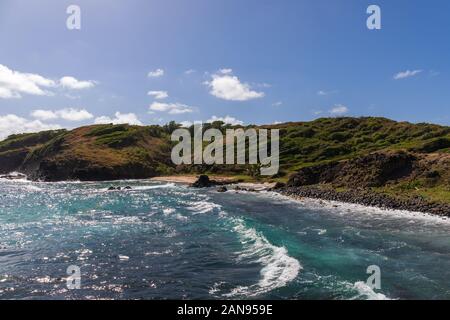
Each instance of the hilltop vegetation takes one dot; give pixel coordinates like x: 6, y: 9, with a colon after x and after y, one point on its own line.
x: 104, y: 152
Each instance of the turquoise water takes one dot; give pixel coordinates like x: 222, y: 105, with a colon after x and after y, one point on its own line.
x: 163, y: 240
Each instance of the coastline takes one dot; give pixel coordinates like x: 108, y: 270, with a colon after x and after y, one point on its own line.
x: 190, y: 179
x: 362, y: 197
x: 368, y: 198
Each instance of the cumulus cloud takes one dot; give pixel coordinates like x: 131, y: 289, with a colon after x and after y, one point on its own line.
x: 13, y: 124
x: 44, y: 115
x: 156, y: 73
x: 68, y: 114
x: 14, y: 83
x: 406, y: 74
x: 227, y: 119
x: 171, y: 108
x: 75, y: 84
x: 74, y: 114
x: 120, y: 118
x: 339, y: 109
x: 226, y: 86
x: 158, y: 94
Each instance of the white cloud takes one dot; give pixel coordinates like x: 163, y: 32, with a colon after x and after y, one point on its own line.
x: 74, y: 114
x: 68, y: 114
x: 44, y: 115
x: 228, y: 87
x: 326, y: 93
x: 339, y: 109
x: 156, y: 73
x: 75, y: 84
x: 190, y: 71
x: 14, y: 83
x: 12, y: 124
x: 120, y: 118
x: 406, y: 74
x: 226, y: 119
x: 226, y: 71
x: 171, y: 108
x: 158, y: 94
x: 277, y: 104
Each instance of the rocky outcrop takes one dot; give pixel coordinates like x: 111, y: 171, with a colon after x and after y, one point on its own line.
x: 204, y: 181
x: 367, y: 197
x: 373, y: 170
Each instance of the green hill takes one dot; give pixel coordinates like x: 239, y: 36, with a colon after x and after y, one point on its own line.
x: 108, y: 152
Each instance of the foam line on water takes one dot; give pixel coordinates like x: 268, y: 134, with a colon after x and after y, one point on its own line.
x: 278, y: 268
x: 344, y: 208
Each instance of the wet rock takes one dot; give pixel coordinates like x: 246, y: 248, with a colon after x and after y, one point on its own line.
x: 202, y: 182
x: 368, y: 197
x: 222, y: 189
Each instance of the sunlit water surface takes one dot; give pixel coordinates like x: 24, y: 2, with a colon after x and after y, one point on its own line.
x: 162, y: 240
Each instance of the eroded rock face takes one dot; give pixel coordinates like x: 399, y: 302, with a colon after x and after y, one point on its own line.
x: 373, y: 170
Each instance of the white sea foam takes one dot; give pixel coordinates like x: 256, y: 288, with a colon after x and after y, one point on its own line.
x: 168, y: 211
x: 203, y: 206
x: 344, y: 208
x: 278, y: 267
x: 123, y: 257
x: 159, y: 253
x: 32, y: 188
x: 160, y: 186
x: 364, y: 291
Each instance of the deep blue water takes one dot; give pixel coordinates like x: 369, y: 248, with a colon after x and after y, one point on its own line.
x: 166, y: 241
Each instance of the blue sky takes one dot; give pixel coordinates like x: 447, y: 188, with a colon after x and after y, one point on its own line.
x: 250, y: 61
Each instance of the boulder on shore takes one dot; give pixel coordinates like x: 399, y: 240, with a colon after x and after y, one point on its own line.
x: 203, y: 182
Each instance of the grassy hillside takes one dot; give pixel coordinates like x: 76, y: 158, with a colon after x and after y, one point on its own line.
x: 98, y: 152
x: 102, y: 152
x: 328, y: 139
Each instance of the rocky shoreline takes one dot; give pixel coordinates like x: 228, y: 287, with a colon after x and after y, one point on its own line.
x: 368, y: 198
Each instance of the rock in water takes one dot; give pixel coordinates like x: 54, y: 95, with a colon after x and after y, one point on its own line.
x: 202, y: 182
x: 222, y: 189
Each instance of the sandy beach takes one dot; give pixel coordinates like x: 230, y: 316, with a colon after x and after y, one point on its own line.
x: 189, y: 179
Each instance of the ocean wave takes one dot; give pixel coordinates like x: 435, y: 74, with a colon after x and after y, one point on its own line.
x: 344, y: 208
x: 203, y: 206
x: 161, y: 186
x: 365, y: 291
x: 278, y: 267
x: 142, y: 188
